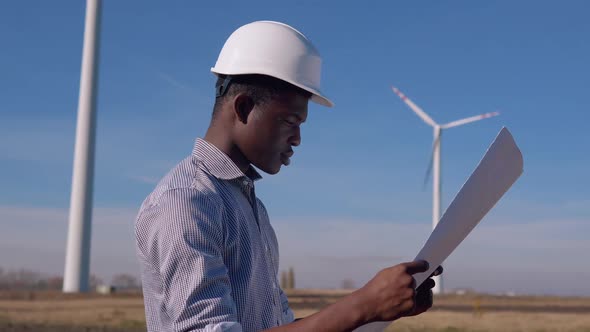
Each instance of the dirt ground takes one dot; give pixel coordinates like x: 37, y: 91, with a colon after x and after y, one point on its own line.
x: 49, y: 312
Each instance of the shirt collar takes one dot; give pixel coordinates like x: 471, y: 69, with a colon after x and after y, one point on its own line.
x: 219, y: 164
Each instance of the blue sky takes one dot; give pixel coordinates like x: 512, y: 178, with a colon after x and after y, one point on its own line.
x: 352, y: 201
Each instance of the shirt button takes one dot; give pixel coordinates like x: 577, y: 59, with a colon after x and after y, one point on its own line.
x: 245, y: 182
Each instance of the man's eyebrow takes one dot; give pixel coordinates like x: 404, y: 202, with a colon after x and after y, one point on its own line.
x: 298, y: 116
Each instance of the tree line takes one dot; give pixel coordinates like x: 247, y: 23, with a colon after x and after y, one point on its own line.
x: 25, y: 279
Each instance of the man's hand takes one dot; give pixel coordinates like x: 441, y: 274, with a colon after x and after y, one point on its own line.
x: 424, y: 297
x: 391, y: 294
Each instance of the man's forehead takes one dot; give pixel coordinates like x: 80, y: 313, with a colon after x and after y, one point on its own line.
x: 292, y: 103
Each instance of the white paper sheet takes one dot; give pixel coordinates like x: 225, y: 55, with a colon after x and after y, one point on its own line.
x: 499, y: 168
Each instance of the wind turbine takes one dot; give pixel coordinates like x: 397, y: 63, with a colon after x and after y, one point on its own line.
x: 435, y: 160
x: 76, y: 271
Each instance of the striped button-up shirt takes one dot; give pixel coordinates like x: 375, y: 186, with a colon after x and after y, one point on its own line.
x: 208, y: 254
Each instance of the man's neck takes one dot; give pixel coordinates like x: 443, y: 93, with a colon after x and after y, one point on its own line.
x: 219, y: 138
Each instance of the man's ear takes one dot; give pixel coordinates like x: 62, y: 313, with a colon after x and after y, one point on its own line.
x: 243, y: 105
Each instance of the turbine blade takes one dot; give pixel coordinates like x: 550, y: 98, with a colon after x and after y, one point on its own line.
x: 414, y: 107
x: 468, y: 120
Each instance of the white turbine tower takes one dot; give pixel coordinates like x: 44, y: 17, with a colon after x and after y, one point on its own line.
x: 435, y: 160
x: 77, y: 265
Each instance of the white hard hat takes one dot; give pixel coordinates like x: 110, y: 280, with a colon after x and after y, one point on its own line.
x: 273, y: 49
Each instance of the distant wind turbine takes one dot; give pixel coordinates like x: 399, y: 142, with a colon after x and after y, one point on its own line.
x: 76, y: 272
x: 435, y: 160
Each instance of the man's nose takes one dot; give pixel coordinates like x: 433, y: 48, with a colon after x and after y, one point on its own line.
x: 296, y: 138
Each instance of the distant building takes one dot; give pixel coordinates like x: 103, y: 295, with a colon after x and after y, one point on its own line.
x: 105, y: 289
x: 462, y: 291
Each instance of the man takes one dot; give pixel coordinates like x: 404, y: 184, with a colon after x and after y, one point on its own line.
x: 208, y: 253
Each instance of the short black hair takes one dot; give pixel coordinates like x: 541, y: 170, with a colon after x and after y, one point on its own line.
x: 261, y: 88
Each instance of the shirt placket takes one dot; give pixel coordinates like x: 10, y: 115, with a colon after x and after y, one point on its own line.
x: 277, y: 308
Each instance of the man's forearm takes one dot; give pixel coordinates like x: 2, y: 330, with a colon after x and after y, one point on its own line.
x: 344, y: 315
x: 390, y: 295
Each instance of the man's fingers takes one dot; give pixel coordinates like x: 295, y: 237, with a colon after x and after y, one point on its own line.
x: 424, y: 299
x: 413, y: 283
x: 426, y: 285
x: 417, y: 267
x: 437, y: 272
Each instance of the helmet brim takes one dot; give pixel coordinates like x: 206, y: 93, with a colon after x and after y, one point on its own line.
x: 316, y: 96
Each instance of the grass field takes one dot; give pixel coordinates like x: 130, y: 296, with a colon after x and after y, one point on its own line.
x: 49, y: 312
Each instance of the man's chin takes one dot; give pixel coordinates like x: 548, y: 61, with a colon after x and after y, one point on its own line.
x: 274, y: 170
x: 269, y: 169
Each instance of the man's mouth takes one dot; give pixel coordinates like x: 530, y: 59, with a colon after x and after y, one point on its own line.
x: 286, y: 158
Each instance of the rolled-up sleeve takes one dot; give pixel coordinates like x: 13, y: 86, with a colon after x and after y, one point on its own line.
x: 186, y: 248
